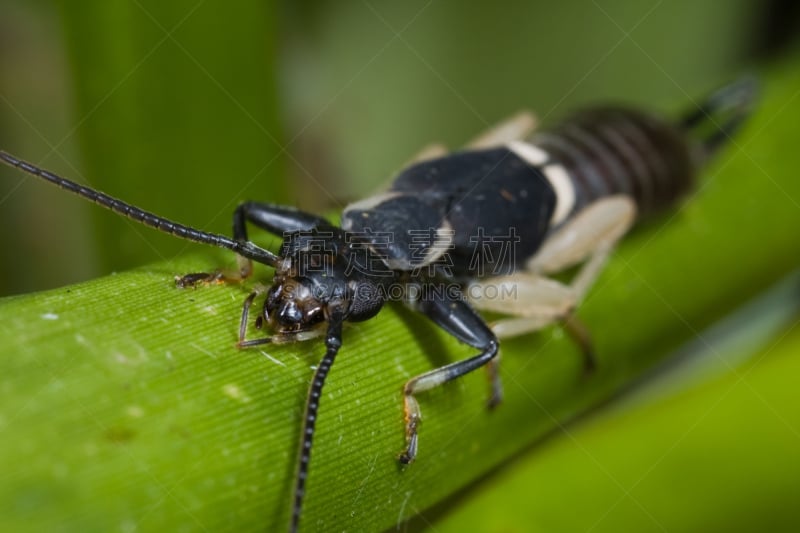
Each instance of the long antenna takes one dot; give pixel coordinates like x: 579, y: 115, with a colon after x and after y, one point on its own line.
x: 333, y: 343
x: 246, y: 249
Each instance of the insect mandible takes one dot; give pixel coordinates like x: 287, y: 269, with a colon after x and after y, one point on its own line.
x: 506, y: 212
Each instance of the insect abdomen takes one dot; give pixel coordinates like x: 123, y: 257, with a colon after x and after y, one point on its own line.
x: 609, y: 151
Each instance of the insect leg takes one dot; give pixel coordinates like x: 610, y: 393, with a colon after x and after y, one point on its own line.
x: 193, y: 279
x: 276, y: 219
x: 455, y: 316
x: 597, y: 228
x: 536, y: 301
x: 514, y: 128
x: 431, y: 151
x: 523, y: 294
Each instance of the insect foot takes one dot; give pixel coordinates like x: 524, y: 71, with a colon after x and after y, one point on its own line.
x: 413, y: 417
x: 199, y: 278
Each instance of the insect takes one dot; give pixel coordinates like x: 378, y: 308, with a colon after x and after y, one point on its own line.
x: 505, y: 213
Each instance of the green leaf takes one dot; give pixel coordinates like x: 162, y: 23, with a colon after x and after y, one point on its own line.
x: 126, y: 406
x: 722, y: 456
x: 177, y: 97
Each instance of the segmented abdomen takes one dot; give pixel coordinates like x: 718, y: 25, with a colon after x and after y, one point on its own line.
x: 619, y: 151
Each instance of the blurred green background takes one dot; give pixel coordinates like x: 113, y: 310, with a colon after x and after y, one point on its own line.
x: 188, y: 107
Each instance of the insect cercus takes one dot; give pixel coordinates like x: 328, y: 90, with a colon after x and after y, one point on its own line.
x: 504, y: 213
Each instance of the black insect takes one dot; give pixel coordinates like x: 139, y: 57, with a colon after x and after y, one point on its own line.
x: 481, y: 228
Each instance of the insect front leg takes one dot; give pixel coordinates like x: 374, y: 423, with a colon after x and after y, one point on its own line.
x: 455, y: 316
x: 276, y: 219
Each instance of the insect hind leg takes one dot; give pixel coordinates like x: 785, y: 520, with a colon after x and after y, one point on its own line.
x: 534, y: 300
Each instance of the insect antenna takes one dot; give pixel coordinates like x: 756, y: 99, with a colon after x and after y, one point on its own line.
x: 246, y: 249
x: 333, y: 343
